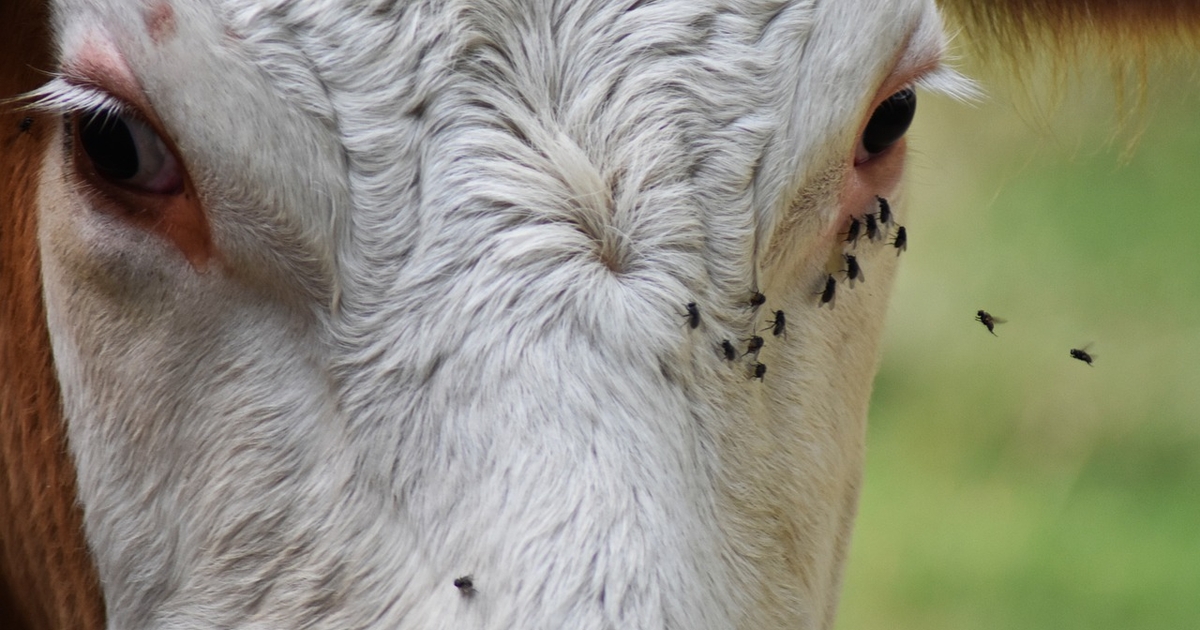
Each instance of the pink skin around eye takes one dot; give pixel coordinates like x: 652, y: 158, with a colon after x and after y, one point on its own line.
x: 879, y: 175
x: 96, y: 61
x: 167, y: 203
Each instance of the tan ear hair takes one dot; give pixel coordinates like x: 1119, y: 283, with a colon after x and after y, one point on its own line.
x: 1125, y: 31
x: 47, y: 579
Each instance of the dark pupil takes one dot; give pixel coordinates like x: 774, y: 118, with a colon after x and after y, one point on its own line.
x: 107, y: 141
x: 890, y: 120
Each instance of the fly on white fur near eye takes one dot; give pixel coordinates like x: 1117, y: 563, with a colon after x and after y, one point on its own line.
x: 853, y: 231
x: 828, y: 293
x: 885, y: 210
x: 692, y: 315
x: 755, y: 344
x: 901, y: 240
x: 854, y: 272
x: 778, y: 326
x: 872, y: 227
x: 760, y: 371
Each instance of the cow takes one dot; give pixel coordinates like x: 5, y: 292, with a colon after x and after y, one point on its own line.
x: 417, y: 314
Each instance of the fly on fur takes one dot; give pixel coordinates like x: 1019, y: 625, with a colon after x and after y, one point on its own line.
x: 854, y: 271
x: 756, y: 344
x: 830, y: 290
x: 693, y: 315
x: 901, y: 241
x: 778, y: 326
x: 760, y: 371
x: 885, y: 211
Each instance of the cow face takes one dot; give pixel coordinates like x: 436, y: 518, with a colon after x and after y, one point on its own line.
x: 351, y: 302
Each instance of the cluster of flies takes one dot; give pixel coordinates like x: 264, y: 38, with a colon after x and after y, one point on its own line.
x: 874, y: 226
x: 754, y: 344
x: 991, y: 321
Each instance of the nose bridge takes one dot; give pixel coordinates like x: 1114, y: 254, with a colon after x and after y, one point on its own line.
x: 555, y: 466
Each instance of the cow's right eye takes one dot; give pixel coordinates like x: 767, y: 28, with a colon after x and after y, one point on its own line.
x: 127, y: 152
x: 890, y: 121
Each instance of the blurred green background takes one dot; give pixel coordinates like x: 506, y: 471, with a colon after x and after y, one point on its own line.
x: 1008, y: 485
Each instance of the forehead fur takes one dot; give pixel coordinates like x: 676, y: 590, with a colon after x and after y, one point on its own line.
x: 568, y: 132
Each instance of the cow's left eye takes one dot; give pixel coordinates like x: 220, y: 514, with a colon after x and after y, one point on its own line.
x: 890, y: 121
x: 127, y: 152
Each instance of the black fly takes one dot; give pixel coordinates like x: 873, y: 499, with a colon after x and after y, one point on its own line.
x: 885, y: 211
x: 830, y: 288
x: 1083, y: 355
x: 853, y: 270
x: 872, y: 226
x: 465, y: 585
x: 853, y: 231
x: 760, y: 370
x: 728, y: 350
x: 989, y: 320
x: 901, y: 242
x: 756, y: 344
x: 693, y: 315
x: 757, y: 299
x: 778, y: 325
x: 26, y: 124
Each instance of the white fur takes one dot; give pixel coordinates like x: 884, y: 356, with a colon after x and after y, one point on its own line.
x: 448, y: 335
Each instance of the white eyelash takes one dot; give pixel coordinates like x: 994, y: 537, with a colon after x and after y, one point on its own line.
x: 945, y: 80
x: 60, y: 96
x: 950, y: 82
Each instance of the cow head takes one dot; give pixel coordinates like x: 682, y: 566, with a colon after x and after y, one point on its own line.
x: 350, y: 301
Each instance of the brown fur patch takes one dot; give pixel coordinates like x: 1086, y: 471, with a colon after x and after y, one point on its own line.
x: 1123, y: 31
x: 47, y: 579
x: 160, y: 22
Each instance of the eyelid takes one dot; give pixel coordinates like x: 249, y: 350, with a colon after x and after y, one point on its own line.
x: 924, y: 61
x: 932, y: 76
x: 68, y: 95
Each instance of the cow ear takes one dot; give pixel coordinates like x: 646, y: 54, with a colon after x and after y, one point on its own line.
x: 1124, y: 31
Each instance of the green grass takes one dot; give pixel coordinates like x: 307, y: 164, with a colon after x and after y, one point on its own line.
x: 1009, y: 486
